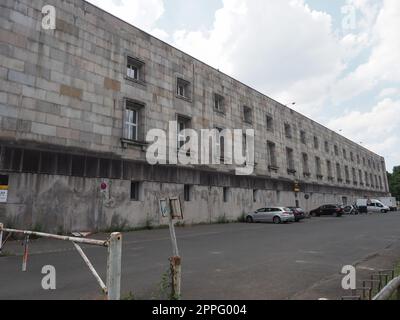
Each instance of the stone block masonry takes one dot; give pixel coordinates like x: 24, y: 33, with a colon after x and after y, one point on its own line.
x: 63, y: 101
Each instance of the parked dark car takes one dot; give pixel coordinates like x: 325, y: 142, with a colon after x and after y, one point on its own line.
x: 299, y: 213
x: 328, y: 210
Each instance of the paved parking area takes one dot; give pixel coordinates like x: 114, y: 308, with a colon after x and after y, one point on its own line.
x: 229, y: 261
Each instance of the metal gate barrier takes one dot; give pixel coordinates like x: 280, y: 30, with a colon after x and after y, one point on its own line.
x: 112, y: 288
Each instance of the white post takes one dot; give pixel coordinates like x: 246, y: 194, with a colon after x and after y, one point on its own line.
x: 114, y: 266
x: 1, y: 236
x: 175, y: 250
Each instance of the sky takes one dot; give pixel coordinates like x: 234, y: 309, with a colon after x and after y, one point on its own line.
x: 339, y: 60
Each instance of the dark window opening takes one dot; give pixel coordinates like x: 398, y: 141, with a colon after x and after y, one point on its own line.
x: 63, y: 164
x: 135, y: 186
x: 104, y: 168
x: 226, y: 194
x: 48, y: 163
x: 92, y: 167
x: 31, y: 160
x: 78, y: 166
x: 187, y: 191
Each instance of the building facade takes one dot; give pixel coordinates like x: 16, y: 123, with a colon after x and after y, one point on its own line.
x: 76, y: 103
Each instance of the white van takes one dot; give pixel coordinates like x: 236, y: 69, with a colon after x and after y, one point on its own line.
x: 390, y: 202
x: 372, y: 205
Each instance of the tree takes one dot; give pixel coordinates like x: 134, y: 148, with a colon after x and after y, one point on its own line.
x: 394, y: 182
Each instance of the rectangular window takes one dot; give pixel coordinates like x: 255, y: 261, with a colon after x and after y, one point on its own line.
x: 360, y: 177
x: 316, y: 143
x: 306, y: 169
x: 366, y: 179
x: 271, y: 149
x: 345, y: 154
x: 288, y: 131
x: 318, y: 167
x: 347, y: 174
x: 353, y: 171
x: 219, y: 104
x: 135, y: 191
x: 380, y: 183
x: 303, y: 137
x: 132, y: 120
x: 336, y: 150
x: 351, y: 156
x: 326, y: 146
x: 220, y: 144
x: 247, y: 114
x: 358, y: 159
x: 183, y: 89
x: 187, y: 192
x: 290, y: 161
x: 329, y: 169
x: 255, y: 193
x: 338, y: 172
x: 183, y: 124
x: 135, y: 69
x: 270, y: 123
x: 226, y: 194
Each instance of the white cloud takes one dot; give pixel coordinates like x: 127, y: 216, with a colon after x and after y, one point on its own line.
x: 282, y: 48
x: 383, y: 63
x: 377, y: 129
x: 389, y: 92
x: 142, y: 14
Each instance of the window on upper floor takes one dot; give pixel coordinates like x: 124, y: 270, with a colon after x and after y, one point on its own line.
x: 247, y: 114
x: 329, y: 169
x: 351, y: 156
x: 318, y: 167
x: 135, y: 69
x: 336, y: 150
x: 270, y: 123
x: 290, y: 161
x: 344, y: 154
x: 183, y: 89
x: 338, y: 172
x: 133, y: 128
x: 184, y: 123
x: 306, y: 168
x: 288, y: 131
x: 303, y: 137
x: 219, y: 103
x: 327, y: 147
x: 271, y: 150
x: 316, y: 142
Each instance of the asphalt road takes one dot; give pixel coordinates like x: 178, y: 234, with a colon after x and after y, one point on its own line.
x: 233, y: 261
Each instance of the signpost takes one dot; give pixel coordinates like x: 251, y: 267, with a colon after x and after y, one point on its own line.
x: 171, y: 209
x: 3, y: 188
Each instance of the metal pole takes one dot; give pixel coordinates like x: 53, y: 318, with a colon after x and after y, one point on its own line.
x: 1, y: 236
x: 176, y: 273
x: 102, y: 243
x: 114, y: 266
x: 91, y: 268
x: 175, y: 250
x: 25, y: 257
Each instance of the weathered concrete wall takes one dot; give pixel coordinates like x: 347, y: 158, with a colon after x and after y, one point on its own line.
x: 66, y: 88
x: 62, y: 204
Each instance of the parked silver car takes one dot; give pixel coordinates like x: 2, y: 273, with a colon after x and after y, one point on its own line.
x: 273, y: 214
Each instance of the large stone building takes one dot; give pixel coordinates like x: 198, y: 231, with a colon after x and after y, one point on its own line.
x: 77, y: 101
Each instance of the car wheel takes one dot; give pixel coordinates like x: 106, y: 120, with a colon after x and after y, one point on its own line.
x: 313, y: 214
x: 277, y: 220
x: 249, y: 220
x: 383, y: 211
